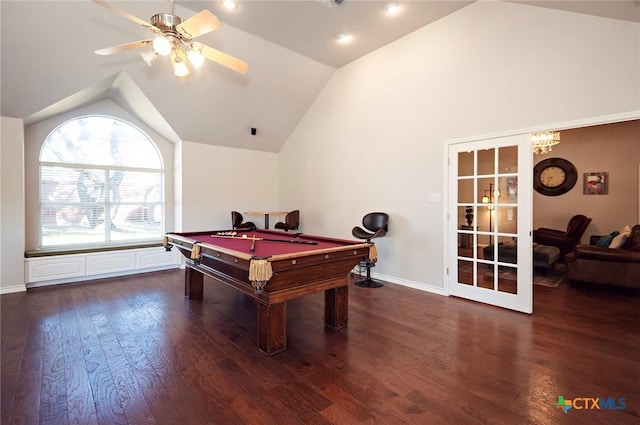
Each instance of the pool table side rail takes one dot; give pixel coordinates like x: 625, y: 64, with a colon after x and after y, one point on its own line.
x: 188, y: 243
x: 277, y: 233
x: 185, y: 243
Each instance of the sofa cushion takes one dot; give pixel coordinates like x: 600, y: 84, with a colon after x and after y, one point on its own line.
x: 605, y: 240
x: 600, y: 254
x: 618, y: 241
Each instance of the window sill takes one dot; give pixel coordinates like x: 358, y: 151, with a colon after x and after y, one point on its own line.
x: 57, y: 251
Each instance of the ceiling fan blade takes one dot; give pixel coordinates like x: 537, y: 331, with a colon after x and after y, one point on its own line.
x: 224, y: 59
x: 124, y: 14
x: 199, y: 24
x: 122, y: 47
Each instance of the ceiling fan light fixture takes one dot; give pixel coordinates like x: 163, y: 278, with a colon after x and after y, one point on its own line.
x: 195, y: 56
x: 180, y: 68
x: 162, y: 46
x: 149, y: 56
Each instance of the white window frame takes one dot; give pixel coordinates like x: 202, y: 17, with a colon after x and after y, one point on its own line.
x: 106, y: 203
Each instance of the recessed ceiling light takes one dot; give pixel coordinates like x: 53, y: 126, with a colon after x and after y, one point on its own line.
x: 230, y: 4
x: 343, y: 37
x: 392, y: 8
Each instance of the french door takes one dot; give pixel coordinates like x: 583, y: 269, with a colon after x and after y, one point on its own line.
x: 489, y: 222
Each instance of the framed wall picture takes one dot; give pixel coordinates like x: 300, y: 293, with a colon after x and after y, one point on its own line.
x: 596, y: 183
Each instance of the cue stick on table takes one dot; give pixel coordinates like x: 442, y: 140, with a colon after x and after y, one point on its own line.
x: 253, y: 238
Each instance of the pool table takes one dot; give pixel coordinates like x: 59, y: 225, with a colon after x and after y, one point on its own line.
x: 272, y: 267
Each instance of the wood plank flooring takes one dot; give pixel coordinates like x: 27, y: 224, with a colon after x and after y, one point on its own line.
x: 132, y: 350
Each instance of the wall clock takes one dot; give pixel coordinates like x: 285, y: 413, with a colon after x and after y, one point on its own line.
x: 554, y: 176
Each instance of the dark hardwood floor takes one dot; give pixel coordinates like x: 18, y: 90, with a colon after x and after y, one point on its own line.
x: 132, y: 350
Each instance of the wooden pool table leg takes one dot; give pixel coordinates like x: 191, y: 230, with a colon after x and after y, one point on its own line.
x: 193, y: 284
x: 272, y: 328
x: 336, y: 307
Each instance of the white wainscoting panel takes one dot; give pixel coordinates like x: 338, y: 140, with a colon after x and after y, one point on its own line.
x: 157, y: 258
x: 110, y: 262
x: 57, y: 269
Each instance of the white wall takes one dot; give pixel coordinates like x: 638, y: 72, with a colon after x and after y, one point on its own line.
x: 374, y: 138
x: 216, y: 180
x: 11, y: 205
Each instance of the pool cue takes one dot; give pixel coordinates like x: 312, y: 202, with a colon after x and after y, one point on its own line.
x: 253, y: 245
x: 290, y: 241
x: 253, y: 238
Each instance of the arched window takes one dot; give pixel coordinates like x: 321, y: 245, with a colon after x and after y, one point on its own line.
x: 101, y: 184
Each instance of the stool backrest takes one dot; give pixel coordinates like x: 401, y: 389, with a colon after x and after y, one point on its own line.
x: 236, y: 219
x: 375, y: 221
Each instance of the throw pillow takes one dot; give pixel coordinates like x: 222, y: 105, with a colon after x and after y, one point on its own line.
x: 605, y: 240
x: 619, y: 240
x: 635, y: 238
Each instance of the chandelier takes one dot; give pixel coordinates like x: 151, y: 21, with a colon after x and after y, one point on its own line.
x: 542, y: 142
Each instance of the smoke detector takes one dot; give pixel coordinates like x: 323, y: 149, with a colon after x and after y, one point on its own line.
x: 332, y: 4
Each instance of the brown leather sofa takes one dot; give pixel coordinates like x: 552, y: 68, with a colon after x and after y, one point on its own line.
x: 607, y: 266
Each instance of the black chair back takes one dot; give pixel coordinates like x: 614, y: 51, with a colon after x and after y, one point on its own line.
x: 376, y: 221
x: 236, y: 219
x: 293, y: 219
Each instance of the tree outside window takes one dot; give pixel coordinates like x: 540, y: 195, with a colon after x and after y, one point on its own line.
x: 101, y: 183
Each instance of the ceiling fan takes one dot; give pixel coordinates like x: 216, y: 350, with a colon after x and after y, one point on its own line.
x: 174, y: 38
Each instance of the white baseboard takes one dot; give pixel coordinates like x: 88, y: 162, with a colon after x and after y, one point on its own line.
x: 411, y: 284
x: 12, y: 289
x: 52, y: 282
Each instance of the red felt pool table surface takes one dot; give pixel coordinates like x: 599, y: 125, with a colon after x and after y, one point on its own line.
x: 286, y: 267
x: 290, y: 243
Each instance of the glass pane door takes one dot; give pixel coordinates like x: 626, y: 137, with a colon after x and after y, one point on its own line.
x: 488, y: 259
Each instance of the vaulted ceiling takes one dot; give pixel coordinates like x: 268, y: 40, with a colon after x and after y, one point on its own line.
x: 48, y: 65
